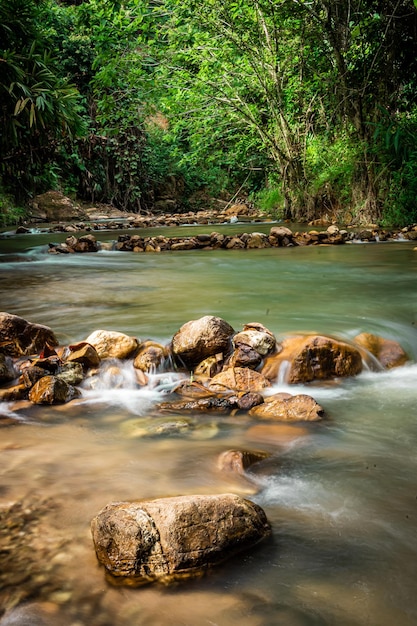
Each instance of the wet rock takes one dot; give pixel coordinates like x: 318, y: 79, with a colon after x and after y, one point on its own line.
x: 83, y: 353
x: 257, y: 241
x: 281, y: 236
x: 209, y: 367
x: 31, y: 374
x: 251, y: 345
x: 238, y: 461
x: 245, y: 356
x: 19, y: 337
x: 305, y: 359
x: 150, y: 357
x: 71, y: 373
x: 172, y: 538
x: 247, y: 401
x: 238, y: 379
x: 86, y: 243
x: 52, y: 390
x: 258, y: 338
x: 192, y: 389
x: 198, y: 339
x: 111, y: 344
x: 388, y: 352
x: 15, y: 392
x: 7, y: 369
x: 212, y: 404
x: 289, y: 409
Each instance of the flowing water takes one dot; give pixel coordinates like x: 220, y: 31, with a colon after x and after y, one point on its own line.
x: 341, y: 495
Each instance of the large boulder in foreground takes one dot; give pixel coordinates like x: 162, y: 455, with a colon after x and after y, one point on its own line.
x: 110, y: 344
x: 306, y: 359
x: 198, y: 339
x: 18, y: 337
x: 172, y: 538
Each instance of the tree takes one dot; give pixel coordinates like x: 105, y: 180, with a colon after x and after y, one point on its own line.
x: 39, y: 108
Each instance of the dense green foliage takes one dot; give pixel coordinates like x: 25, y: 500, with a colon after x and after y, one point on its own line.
x: 309, y: 109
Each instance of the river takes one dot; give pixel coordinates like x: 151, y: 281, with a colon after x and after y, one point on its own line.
x: 341, y: 495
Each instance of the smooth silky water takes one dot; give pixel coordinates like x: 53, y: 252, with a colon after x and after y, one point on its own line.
x: 341, y: 495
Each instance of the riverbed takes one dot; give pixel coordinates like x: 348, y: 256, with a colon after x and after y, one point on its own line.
x: 341, y: 495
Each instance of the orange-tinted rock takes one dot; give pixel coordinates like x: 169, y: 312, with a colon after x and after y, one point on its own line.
x: 388, y: 352
x: 289, y: 409
x: 238, y: 379
x: 305, y: 359
x: 52, y: 390
x: 83, y: 353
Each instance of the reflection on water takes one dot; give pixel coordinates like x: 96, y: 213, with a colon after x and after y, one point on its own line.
x: 341, y: 495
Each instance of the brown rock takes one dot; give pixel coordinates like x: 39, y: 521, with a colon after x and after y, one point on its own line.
x: 237, y: 209
x: 71, y: 372
x: 292, y: 409
x: 19, y: 337
x: 239, y: 379
x: 52, y: 390
x: 238, y: 461
x: 31, y: 375
x: 16, y: 392
x: 316, y: 357
x: 210, y: 404
x: 209, y: 367
x: 198, y: 339
x: 53, y: 206
x: 257, y: 241
x: 245, y: 356
x: 150, y: 357
x: 192, y: 389
x: 7, y: 369
x: 171, y: 538
x: 388, y: 352
x: 83, y: 353
x: 111, y: 344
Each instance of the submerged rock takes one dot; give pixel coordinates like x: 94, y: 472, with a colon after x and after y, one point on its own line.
x: 18, y: 337
x: 173, y: 538
x: 238, y: 461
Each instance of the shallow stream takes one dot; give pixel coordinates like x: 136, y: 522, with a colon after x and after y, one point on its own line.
x: 341, y: 495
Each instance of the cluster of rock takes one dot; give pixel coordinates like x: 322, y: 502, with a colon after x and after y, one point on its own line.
x: 279, y: 236
x: 222, y: 371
